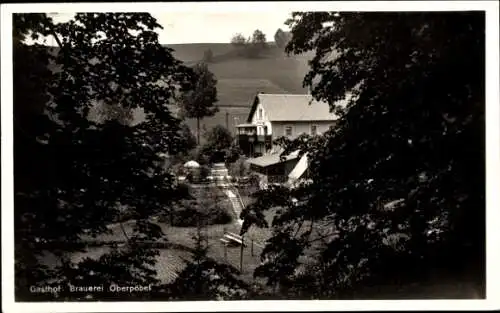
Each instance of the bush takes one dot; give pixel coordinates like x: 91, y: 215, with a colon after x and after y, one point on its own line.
x: 254, y: 180
x: 206, y: 208
x: 186, y: 217
x: 189, y: 217
x: 239, y: 168
x: 218, y: 216
x: 208, y: 56
x: 198, y: 154
x: 204, y: 172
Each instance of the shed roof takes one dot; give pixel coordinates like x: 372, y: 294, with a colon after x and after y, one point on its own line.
x: 271, y: 159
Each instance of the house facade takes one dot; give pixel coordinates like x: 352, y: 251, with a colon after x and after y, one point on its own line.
x: 281, y: 115
x: 277, y: 115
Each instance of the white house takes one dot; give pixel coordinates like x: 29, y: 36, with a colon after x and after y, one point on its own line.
x: 276, y: 115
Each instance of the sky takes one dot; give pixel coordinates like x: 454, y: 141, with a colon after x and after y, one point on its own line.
x: 210, y: 27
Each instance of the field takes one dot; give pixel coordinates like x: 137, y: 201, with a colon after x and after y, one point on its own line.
x: 172, y: 258
x: 240, y: 79
x: 191, y: 53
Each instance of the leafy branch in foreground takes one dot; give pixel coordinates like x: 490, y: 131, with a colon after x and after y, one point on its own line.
x: 73, y: 175
x: 400, y: 178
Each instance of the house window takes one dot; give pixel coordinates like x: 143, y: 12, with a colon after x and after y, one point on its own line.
x: 288, y: 131
x: 260, y: 114
x: 314, y: 130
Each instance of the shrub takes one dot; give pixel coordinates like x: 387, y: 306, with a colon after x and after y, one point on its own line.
x: 186, y: 217
x: 206, y: 208
x: 204, y: 172
x: 208, y: 56
x: 239, y: 168
x: 217, y: 215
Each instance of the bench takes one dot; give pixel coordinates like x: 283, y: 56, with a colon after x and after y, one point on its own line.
x: 228, y: 236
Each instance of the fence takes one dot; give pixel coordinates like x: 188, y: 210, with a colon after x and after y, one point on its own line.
x: 242, y: 252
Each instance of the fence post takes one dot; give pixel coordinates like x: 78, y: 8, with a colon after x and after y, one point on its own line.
x: 241, y: 254
x: 225, y: 253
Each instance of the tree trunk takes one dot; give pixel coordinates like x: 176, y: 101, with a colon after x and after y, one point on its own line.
x: 198, y: 132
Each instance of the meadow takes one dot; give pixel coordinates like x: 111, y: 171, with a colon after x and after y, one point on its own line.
x: 240, y: 78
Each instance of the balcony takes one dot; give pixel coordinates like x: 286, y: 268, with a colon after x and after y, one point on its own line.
x: 254, y: 138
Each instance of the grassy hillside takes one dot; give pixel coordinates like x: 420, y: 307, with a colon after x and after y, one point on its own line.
x: 240, y: 78
x: 192, y: 53
x: 286, y: 72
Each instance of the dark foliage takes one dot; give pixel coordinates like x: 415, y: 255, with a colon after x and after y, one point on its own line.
x: 401, y: 178
x: 201, y: 101
x: 281, y: 38
x: 209, y: 280
x: 71, y: 174
x: 218, y: 144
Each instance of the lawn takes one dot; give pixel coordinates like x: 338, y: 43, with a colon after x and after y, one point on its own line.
x: 171, y: 260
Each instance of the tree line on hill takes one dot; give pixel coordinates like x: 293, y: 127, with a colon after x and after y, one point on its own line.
x: 251, y: 47
x: 412, y: 137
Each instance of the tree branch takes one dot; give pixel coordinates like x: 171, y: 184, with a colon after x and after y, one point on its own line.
x: 54, y: 34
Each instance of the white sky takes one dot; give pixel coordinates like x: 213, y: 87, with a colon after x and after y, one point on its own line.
x: 210, y: 27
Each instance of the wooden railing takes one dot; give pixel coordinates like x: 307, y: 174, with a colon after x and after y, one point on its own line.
x: 277, y: 179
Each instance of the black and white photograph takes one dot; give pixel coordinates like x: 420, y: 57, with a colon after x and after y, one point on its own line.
x: 186, y: 153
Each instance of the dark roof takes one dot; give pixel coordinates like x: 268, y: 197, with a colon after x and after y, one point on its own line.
x: 288, y: 107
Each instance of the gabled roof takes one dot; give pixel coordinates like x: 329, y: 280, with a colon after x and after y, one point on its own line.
x: 289, y: 107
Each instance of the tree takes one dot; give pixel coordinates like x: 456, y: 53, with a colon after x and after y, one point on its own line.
x: 400, y: 179
x: 259, y: 39
x: 256, y: 44
x: 208, y: 56
x: 209, y: 280
x: 278, y: 38
x: 281, y: 38
x: 72, y: 175
x: 219, y: 140
x: 189, y: 143
x: 189, y: 138
x: 115, y: 112
x: 200, y: 102
x: 204, y: 278
x: 238, y: 40
x: 251, y: 47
